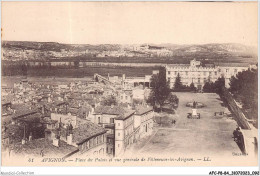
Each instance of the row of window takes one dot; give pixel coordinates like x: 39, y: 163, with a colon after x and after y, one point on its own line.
x: 101, y: 120
x: 100, y: 152
x: 187, y: 73
x: 204, y: 72
x: 126, y: 97
x: 198, y: 80
x: 130, y: 129
x: 93, y: 142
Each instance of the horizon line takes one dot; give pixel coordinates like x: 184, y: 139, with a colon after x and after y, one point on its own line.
x: 128, y: 43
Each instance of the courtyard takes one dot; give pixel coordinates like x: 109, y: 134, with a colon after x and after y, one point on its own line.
x: 207, y: 136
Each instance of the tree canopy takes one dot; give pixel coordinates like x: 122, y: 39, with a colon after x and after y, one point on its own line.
x: 244, y: 86
x: 160, y: 89
x: 173, y: 99
x: 110, y: 100
x: 210, y: 87
x: 192, y: 87
x: 219, y: 84
x: 178, y: 85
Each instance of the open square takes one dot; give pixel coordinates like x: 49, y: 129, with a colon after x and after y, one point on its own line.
x: 208, y: 135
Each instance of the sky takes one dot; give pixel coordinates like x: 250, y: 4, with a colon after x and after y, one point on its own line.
x: 130, y: 22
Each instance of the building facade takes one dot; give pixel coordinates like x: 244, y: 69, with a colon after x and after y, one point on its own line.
x: 199, y: 75
x: 118, y: 121
x: 124, y: 132
x: 143, y: 122
x: 124, y: 126
x: 88, y: 138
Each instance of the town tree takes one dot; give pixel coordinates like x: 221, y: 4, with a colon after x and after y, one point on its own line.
x: 160, y: 89
x: 178, y: 85
x: 192, y: 87
x: 219, y: 84
x: 173, y: 99
x: 244, y: 87
x: 110, y: 100
x: 208, y: 87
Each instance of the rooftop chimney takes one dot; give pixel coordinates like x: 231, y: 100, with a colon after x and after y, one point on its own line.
x: 69, y: 139
x: 56, y: 142
x: 30, y: 137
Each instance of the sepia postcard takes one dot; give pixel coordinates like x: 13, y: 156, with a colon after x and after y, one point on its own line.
x: 129, y: 84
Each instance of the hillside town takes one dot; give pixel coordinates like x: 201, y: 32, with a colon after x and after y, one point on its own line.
x: 15, y: 52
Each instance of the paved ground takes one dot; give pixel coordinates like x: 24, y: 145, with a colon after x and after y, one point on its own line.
x: 208, y: 136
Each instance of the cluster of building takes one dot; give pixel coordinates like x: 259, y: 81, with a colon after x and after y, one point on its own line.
x: 153, y: 51
x: 138, y: 51
x: 52, y: 118
x: 15, y: 54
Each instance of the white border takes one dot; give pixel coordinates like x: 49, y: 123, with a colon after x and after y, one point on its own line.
x: 126, y: 170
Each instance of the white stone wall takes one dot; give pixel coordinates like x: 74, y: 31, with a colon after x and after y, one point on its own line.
x: 103, y: 119
x: 146, y: 126
x: 124, y: 134
x: 200, y: 75
x: 119, y: 137
x: 97, y: 151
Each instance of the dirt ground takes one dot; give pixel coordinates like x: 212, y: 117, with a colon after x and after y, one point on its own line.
x: 208, y: 136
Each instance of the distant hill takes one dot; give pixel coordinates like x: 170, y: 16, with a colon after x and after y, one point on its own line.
x: 213, y: 48
x: 232, y: 52
x: 229, y: 52
x: 54, y: 46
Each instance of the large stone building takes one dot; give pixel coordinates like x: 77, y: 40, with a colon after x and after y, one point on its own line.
x: 116, y: 120
x: 124, y: 126
x: 124, y: 131
x: 199, y: 75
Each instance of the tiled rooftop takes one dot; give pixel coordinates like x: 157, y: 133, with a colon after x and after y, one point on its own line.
x: 86, y: 131
x: 83, y: 132
x: 121, y: 112
x: 36, y: 117
x: 22, y: 111
x: 143, y: 109
x: 38, y: 146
